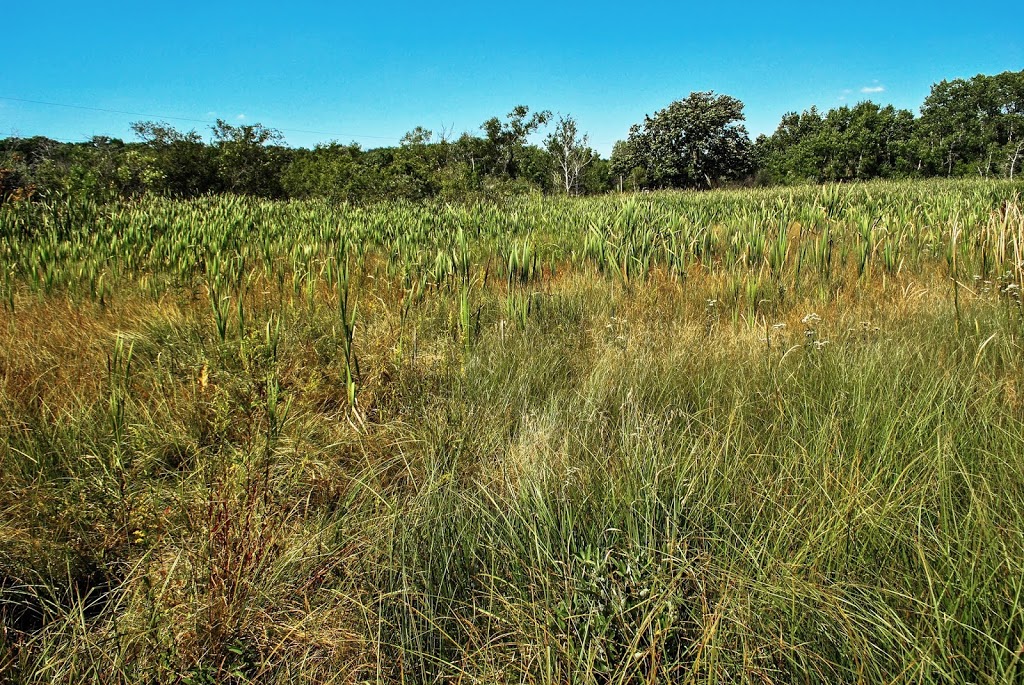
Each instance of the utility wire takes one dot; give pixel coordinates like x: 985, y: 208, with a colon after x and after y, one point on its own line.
x: 194, y: 121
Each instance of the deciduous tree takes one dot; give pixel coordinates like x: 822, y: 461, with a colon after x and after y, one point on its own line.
x: 698, y: 141
x: 570, y: 153
x: 505, y: 140
x: 251, y: 158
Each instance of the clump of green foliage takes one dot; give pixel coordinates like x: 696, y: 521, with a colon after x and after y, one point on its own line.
x: 967, y: 127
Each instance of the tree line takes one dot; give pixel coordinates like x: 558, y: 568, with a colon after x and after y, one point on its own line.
x: 966, y: 127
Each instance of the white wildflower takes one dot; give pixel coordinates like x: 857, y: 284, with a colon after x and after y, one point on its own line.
x: 810, y: 319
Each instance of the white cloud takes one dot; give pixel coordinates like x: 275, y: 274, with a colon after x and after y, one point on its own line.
x: 241, y: 117
x: 872, y: 89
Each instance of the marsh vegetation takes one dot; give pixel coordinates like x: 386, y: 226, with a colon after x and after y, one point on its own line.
x: 759, y: 436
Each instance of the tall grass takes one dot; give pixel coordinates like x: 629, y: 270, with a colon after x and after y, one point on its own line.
x: 744, y: 436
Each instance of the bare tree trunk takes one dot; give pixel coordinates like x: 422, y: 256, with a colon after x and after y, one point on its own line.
x: 567, y: 168
x: 1016, y: 154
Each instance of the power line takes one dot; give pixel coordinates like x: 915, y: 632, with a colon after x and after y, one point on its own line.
x: 194, y: 121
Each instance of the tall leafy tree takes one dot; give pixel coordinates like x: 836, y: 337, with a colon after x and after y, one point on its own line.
x: 698, y: 141
x: 792, y: 153
x: 847, y: 143
x: 251, y: 158
x: 417, y: 136
x: 505, y: 140
x: 570, y: 152
x: 865, y: 141
x: 948, y: 132
x: 626, y: 167
x: 1006, y: 93
x: 974, y: 126
x: 333, y: 171
x: 182, y: 164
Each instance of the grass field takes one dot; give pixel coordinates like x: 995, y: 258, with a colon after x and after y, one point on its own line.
x: 762, y: 436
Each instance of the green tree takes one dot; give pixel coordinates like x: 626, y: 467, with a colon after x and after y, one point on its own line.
x: 182, y: 164
x: 570, y: 153
x: 792, y: 153
x: 333, y: 171
x: 597, y: 177
x: 505, y: 141
x: 251, y: 158
x: 1005, y: 94
x: 974, y: 126
x: 948, y: 132
x: 626, y: 167
x: 535, y: 171
x: 695, y: 142
x: 860, y: 142
x: 19, y: 160
x: 865, y: 141
x: 417, y: 136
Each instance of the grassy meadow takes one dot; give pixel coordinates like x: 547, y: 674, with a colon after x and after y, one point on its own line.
x: 750, y: 436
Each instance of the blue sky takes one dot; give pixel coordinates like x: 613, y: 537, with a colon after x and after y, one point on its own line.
x: 371, y: 71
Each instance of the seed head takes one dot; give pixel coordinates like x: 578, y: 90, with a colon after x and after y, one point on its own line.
x: 810, y: 319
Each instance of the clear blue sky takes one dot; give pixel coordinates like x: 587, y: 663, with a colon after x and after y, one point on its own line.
x: 370, y: 71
